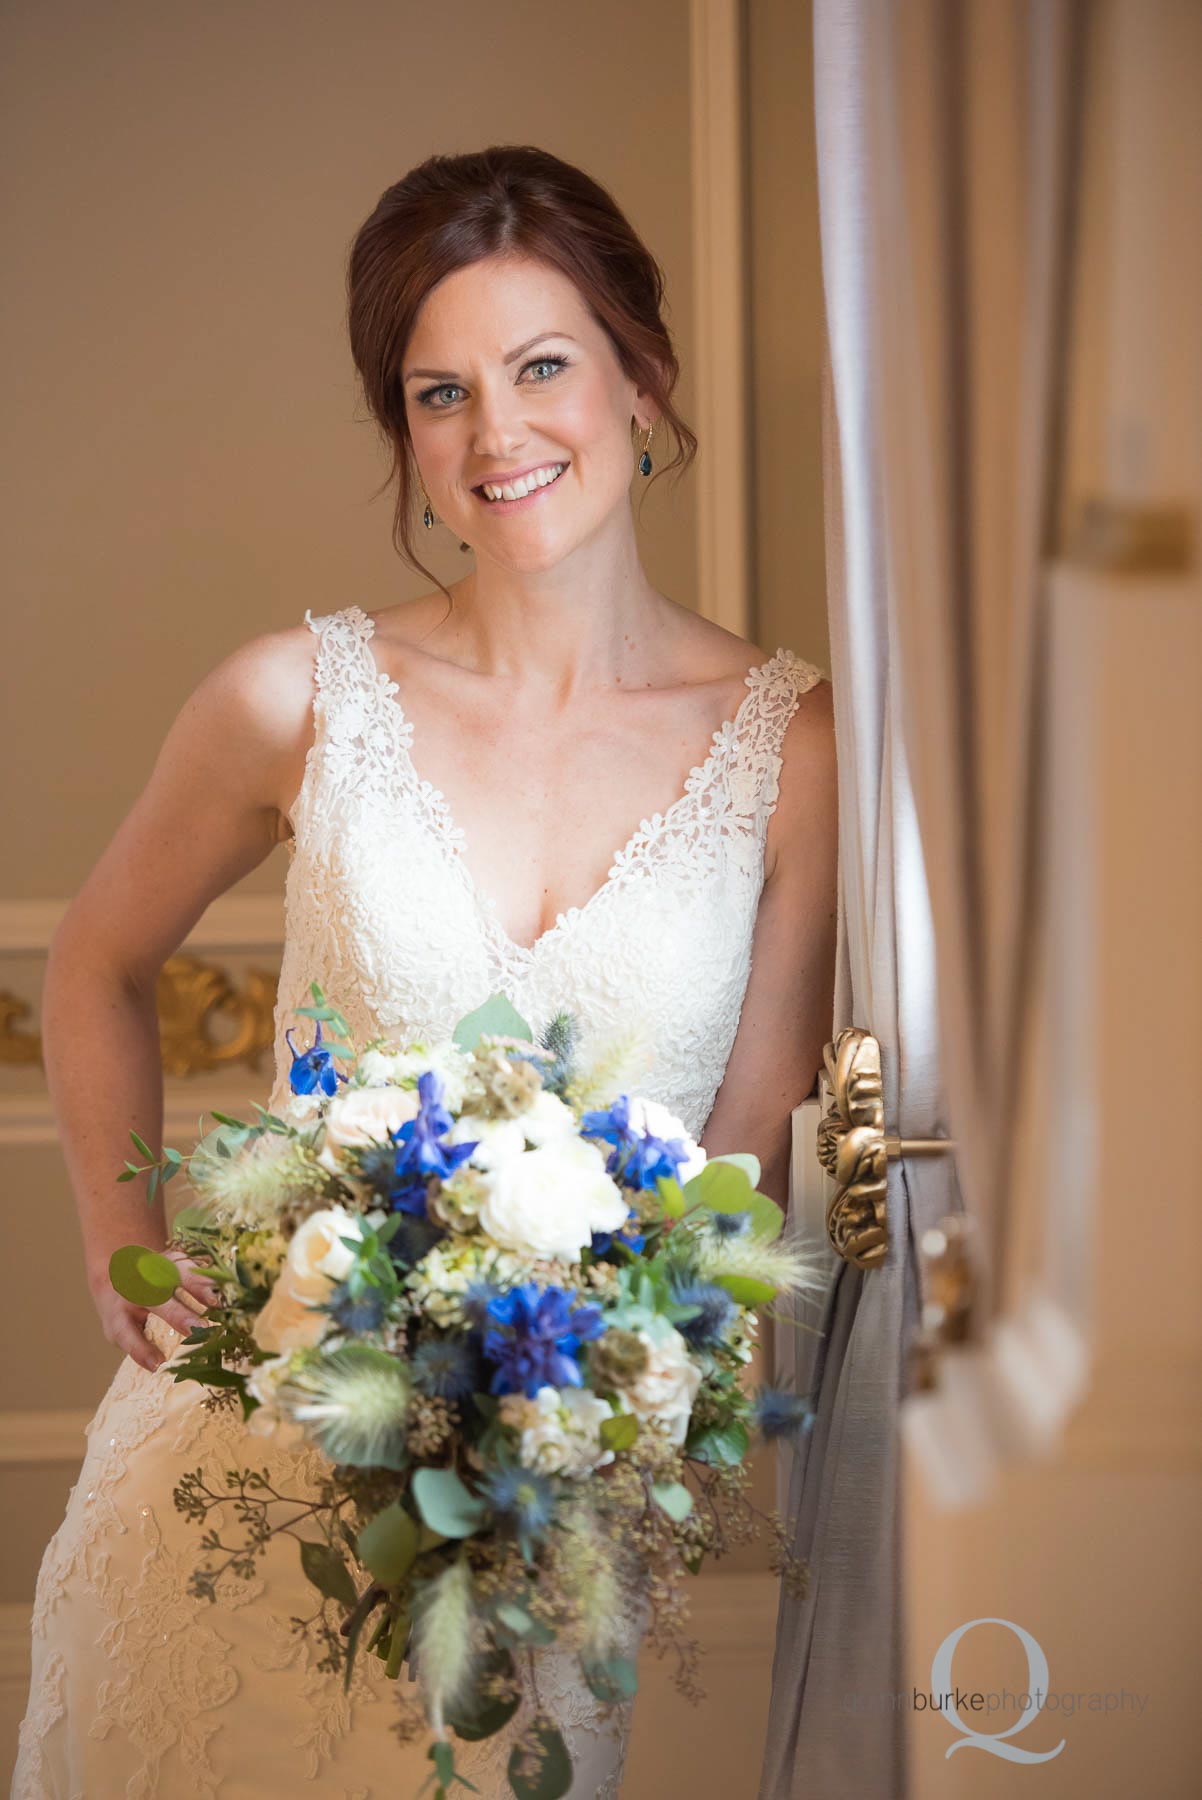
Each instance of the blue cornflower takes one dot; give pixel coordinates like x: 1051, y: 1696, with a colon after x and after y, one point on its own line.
x: 525, y: 1499
x: 710, y: 1324
x: 539, y: 1348
x: 638, y: 1158
x: 448, y: 1368
x: 627, y: 1234
x: 312, y: 1068
x: 419, y: 1154
x: 778, y: 1413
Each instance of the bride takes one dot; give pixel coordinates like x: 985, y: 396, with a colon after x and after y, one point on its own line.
x: 451, y: 775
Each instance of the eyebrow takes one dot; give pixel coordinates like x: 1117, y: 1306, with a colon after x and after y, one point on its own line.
x: 511, y: 356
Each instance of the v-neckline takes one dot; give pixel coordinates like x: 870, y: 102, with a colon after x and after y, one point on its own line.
x: 443, y: 828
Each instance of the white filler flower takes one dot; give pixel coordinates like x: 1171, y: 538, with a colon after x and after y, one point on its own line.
x: 548, y: 1202
x: 664, y: 1393
x: 561, y: 1429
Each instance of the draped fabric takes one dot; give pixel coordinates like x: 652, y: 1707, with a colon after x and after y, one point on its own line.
x: 944, y: 138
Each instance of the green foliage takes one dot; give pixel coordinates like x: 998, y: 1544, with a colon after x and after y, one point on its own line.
x: 144, y: 1277
x: 612, y: 1678
x: 547, y: 1773
x: 672, y: 1497
x: 324, y: 1567
x: 388, y: 1544
x: 620, y: 1432
x: 497, y: 1017
x: 745, y: 1289
x: 479, y: 1717
x: 520, y: 1628
x: 721, y: 1445
x: 446, y: 1504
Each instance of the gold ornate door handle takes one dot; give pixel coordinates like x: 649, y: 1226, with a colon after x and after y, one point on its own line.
x: 854, y: 1148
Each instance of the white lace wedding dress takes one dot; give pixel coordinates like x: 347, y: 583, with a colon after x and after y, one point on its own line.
x: 139, y: 1690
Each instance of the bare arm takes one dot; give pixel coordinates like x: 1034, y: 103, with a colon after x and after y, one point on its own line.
x: 209, y: 813
x: 786, y: 1016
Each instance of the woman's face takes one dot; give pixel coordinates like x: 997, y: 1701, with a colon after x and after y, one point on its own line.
x: 506, y: 371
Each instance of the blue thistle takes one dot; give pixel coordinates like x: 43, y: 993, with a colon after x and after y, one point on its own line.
x: 716, y: 1312
x: 539, y: 1347
x: 357, y: 1312
x: 478, y: 1296
x: 312, y: 1068
x: 524, y: 1499
x: 413, y: 1237
x: 731, y: 1224
x: 447, y: 1368
x: 777, y: 1413
x: 419, y: 1152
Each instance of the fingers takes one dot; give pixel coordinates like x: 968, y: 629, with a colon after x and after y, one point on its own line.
x: 197, y: 1282
x: 136, y: 1345
x: 177, y: 1316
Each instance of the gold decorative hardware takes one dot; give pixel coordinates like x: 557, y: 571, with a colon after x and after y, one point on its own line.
x: 854, y: 1149
x: 191, y: 996
x: 947, y: 1261
x: 18, y: 1049
x: 1131, y: 540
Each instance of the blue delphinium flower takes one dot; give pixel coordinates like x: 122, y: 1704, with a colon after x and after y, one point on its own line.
x: 778, y: 1413
x: 638, y: 1158
x: 448, y: 1368
x: 628, y: 1234
x: 525, y: 1499
x: 710, y: 1324
x: 419, y: 1153
x: 544, y: 1333
x: 312, y: 1068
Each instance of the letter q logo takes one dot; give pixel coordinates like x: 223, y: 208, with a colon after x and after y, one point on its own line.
x: 995, y: 1742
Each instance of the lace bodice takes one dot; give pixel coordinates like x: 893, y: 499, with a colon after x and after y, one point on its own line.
x: 382, y: 909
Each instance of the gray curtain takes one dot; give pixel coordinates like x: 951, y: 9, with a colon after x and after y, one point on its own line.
x: 942, y: 178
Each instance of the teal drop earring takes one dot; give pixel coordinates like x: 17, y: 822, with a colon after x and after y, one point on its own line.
x: 428, y: 515
x: 645, y: 458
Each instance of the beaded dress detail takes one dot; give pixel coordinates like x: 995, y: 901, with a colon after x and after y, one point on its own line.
x: 140, y: 1690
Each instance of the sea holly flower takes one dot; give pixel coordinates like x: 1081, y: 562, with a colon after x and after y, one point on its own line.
x: 419, y: 1152
x: 715, y: 1314
x: 544, y: 1333
x: 525, y: 1500
x: 312, y: 1068
x: 778, y: 1413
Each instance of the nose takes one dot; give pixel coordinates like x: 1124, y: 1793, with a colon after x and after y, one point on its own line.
x: 498, y: 428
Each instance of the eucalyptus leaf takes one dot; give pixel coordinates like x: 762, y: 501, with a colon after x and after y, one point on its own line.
x: 141, y: 1145
x: 497, y: 1017
x: 674, y: 1498
x: 484, y: 1719
x: 746, y: 1290
x: 742, y: 1159
x: 550, y: 1769
x: 620, y: 1432
x: 144, y: 1277
x: 329, y: 1574
x: 720, y: 1445
x: 388, y: 1544
x: 611, y: 1678
x: 445, y: 1504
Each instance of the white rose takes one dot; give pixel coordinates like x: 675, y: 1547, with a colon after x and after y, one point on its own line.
x: 665, y: 1391
x: 561, y: 1429
x: 362, y: 1116
x: 653, y: 1116
x: 548, y: 1202
x: 496, y: 1140
x: 546, y: 1118
x: 316, y: 1259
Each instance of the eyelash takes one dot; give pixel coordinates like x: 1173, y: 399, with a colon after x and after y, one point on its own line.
x: 561, y: 362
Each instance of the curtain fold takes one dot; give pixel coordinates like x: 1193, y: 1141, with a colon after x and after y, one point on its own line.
x: 943, y: 136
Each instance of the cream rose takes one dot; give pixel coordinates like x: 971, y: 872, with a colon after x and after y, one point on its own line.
x: 362, y: 1116
x: 316, y: 1259
x: 496, y: 1140
x: 546, y: 1118
x: 665, y: 1391
x: 548, y: 1202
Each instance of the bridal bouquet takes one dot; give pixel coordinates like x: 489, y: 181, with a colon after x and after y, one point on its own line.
x: 511, y: 1309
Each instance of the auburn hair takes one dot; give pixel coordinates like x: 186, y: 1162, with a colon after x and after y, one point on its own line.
x: 511, y: 199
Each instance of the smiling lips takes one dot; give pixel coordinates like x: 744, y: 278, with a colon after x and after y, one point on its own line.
x: 511, y: 496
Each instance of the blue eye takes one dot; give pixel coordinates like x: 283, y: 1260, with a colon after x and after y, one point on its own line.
x: 554, y: 363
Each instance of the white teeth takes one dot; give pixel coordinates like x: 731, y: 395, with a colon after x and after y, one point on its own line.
x: 526, y: 484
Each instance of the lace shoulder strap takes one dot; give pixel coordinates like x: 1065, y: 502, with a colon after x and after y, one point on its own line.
x: 345, y: 675
x: 753, y: 777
